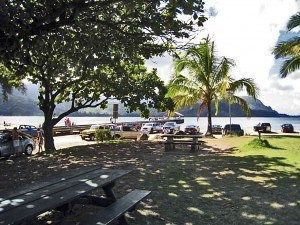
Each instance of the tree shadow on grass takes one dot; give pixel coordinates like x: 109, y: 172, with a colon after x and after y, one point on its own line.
x: 228, y: 190
x: 186, y: 189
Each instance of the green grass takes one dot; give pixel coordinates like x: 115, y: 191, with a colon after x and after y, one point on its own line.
x: 285, y: 148
x: 255, y: 185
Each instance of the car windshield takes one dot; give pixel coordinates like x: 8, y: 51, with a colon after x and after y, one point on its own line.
x: 287, y: 125
x: 94, y: 126
x: 233, y: 127
x: 169, y: 124
x: 148, y: 124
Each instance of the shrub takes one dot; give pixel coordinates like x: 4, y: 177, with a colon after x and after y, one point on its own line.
x: 103, y: 135
x: 258, y: 143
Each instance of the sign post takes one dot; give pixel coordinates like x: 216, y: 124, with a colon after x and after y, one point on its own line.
x: 115, y: 112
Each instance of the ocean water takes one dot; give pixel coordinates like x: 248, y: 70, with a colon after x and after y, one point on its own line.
x: 245, y: 122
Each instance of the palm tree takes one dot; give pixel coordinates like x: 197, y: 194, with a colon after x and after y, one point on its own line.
x: 290, y: 49
x: 200, y: 76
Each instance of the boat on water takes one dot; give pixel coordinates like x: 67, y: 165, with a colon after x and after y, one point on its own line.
x: 6, y: 124
x: 178, y: 118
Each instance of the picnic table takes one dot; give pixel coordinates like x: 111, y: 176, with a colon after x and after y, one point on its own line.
x: 174, y: 139
x: 73, y: 189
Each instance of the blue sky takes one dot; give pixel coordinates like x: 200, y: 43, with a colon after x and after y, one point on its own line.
x: 247, y: 31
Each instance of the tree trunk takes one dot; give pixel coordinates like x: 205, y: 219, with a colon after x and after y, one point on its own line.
x: 209, y: 124
x: 48, y: 132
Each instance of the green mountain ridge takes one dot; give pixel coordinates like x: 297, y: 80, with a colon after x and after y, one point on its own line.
x: 22, y: 105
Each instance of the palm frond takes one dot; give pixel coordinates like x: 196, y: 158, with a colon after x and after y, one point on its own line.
x: 294, y: 21
x: 222, y: 71
x: 245, y: 83
x: 290, y: 47
x: 244, y: 105
x: 290, y: 65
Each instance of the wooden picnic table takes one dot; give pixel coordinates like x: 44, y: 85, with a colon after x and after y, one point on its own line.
x: 70, y: 190
x: 174, y: 139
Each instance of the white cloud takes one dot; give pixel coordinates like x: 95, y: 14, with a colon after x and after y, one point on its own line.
x: 247, y: 31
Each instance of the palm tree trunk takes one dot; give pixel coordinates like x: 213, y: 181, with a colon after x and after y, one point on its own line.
x: 209, y: 124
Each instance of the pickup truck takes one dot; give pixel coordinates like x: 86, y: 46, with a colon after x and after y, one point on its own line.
x: 263, y: 127
x: 28, y: 129
x: 117, y: 132
x: 151, y: 128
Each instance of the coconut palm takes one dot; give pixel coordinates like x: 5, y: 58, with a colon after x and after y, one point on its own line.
x: 289, y: 50
x: 200, y: 76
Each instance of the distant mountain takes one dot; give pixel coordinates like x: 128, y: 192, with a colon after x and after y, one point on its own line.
x: 258, y: 109
x: 19, y: 104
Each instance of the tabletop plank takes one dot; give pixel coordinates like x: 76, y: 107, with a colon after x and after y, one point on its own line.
x: 41, y: 203
x: 34, y: 194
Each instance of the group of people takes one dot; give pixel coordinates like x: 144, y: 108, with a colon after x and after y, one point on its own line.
x: 39, y: 139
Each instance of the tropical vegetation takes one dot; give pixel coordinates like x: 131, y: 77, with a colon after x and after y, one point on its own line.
x: 201, y: 76
x: 289, y: 50
x: 86, y: 52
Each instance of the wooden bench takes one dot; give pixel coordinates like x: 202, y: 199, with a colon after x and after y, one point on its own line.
x: 173, y: 140
x: 62, y: 194
x: 116, y: 210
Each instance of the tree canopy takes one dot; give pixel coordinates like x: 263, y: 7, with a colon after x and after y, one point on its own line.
x: 86, y: 51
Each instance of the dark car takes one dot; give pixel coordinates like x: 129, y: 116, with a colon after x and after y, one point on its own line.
x: 262, y: 127
x: 192, y: 129
x: 28, y: 129
x: 216, y: 129
x: 234, y: 129
x: 287, y: 128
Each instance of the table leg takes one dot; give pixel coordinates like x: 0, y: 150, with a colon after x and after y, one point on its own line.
x: 194, y: 145
x: 111, y: 195
x: 108, y: 191
x: 169, y: 145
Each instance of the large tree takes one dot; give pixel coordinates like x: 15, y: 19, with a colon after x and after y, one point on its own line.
x: 201, y: 76
x: 289, y: 50
x: 86, y: 51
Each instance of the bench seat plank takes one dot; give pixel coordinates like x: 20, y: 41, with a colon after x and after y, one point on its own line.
x: 56, y: 198
x: 117, y: 209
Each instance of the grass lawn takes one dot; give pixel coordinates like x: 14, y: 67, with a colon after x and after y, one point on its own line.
x: 252, y: 186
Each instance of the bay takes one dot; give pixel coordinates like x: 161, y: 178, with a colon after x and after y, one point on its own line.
x: 245, y: 122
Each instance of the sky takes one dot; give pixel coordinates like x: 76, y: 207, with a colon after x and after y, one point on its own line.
x: 247, y: 31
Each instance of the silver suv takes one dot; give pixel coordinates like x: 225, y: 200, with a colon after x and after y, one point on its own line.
x: 170, y: 127
x: 6, y: 145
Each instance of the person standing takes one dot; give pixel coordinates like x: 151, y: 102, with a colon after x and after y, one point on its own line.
x: 16, y: 140
x: 40, y: 138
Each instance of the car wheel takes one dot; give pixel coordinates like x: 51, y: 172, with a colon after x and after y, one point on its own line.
x: 92, y: 138
x: 117, y: 136
x: 28, y: 150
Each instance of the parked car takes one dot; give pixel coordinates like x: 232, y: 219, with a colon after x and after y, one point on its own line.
x: 28, y: 129
x: 151, y: 128
x: 6, y: 144
x: 129, y: 132
x: 192, y: 129
x: 170, y: 127
x: 263, y: 127
x: 90, y: 133
x: 216, y: 129
x: 287, y: 128
x: 234, y: 129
